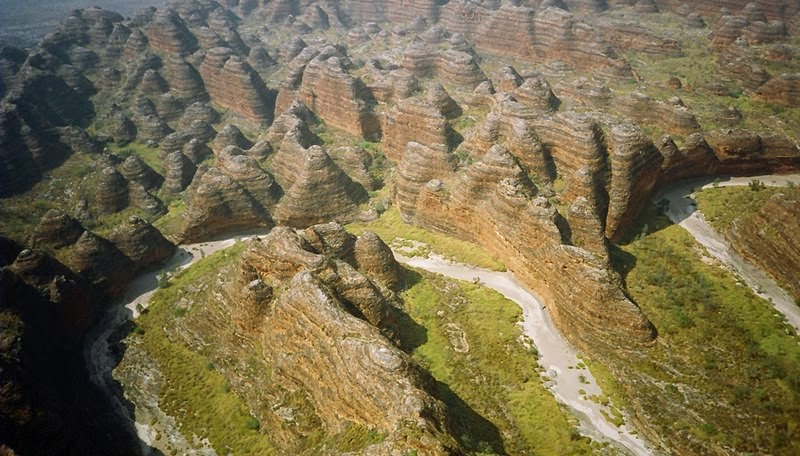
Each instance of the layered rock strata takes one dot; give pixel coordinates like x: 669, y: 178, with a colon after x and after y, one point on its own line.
x: 328, y: 322
x: 316, y: 190
x: 56, y: 229
x: 233, y: 84
x: 495, y: 205
x: 236, y: 193
x: 767, y: 238
x: 338, y: 98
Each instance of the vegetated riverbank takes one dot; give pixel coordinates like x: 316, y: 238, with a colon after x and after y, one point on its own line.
x: 724, y: 375
x: 570, y: 381
x: 101, y: 357
x: 682, y: 210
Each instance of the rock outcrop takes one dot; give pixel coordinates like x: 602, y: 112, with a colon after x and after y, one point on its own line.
x: 112, y: 191
x: 235, y: 193
x: 134, y: 169
x: 316, y: 189
x: 142, y: 243
x: 168, y: 33
x: 415, y: 120
x: 233, y: 84
x: 328, y: 322
x: 101, y: 262
x: 495, y: 206
x: 375, y: 259
x: 338, y: 98
x: 56, y: 230
x: 783, y: 90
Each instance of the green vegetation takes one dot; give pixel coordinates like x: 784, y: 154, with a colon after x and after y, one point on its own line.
x: 149, y: 155
x: 170, y: 223
x: 726, y: 369
x: 697, y: 67
x: 494, y: 392
x: 390, y: 227
x: 354, y: 437
x: 190, y: 380
x: 727, y: 207
x: 722, y: 207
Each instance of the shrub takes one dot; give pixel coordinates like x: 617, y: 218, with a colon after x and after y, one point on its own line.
x: 756, y: 185
x: 252, y: 423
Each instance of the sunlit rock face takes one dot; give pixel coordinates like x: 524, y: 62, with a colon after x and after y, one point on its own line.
x: 331, y: 320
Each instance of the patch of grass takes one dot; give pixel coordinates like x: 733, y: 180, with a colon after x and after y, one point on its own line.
x: 726, y: 366
x: 59, y: 188
x: 354, y: 437
x: 199, y: 397
x: 494, y: 393
x: 727, y: 208
x: 170, y: 223
x: 390, y: 226
x: 698, y: 67
x: 149, y: 155
x: 722, y: 207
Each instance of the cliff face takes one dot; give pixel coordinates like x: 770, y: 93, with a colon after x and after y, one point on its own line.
x: 236, y: 193
x: 338, y: 98
x: 253, y: 114
x: 495, y: 205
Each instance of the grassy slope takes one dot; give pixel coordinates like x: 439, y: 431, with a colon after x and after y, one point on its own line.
x: 190, y: 380
x: 725, y: 371
x: 726, y: 206
x: 723, y: 206
x: 696, y: 68
x: 391, y: 226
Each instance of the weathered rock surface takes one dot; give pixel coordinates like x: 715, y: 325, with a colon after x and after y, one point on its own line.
x: 355, y: 162
x: 179, y: 172
x: 326, y: 303
x: 56, y: 230
x: 375, y: 259
x: 233, y: 84
x: 783, y: 90
x: 338, y: 98
x: 414, y: 120
x: 112, y: 191
x: 316, y: 189
x: 142, y: 243
x: 168, y: 33
x: 134, y: 169
x: 495, y: 206
x: 101, y: 262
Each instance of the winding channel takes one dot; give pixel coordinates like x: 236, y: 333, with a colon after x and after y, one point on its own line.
x: 570, y: 385
x: 683, y: 211
x: 568, y: 380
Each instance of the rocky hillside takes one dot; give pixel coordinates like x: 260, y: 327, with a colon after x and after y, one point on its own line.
x: 537, y: 130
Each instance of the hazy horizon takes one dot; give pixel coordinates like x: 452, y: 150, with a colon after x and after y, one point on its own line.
x: 24, y: 23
